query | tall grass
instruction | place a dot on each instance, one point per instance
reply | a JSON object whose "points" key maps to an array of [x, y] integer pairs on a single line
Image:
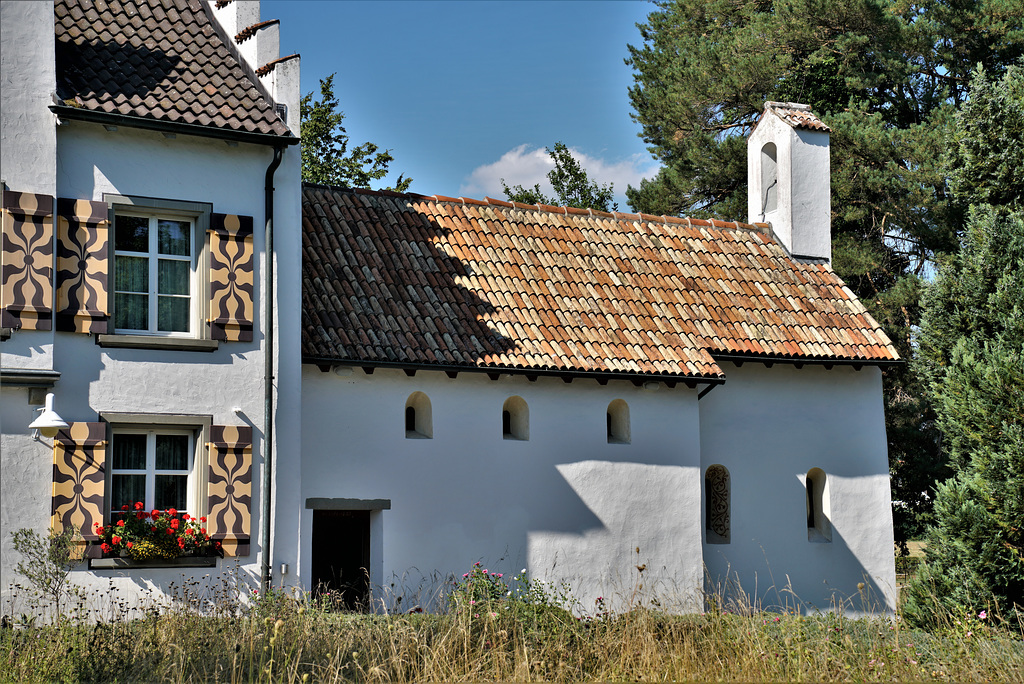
{"points": [[485, 634]]}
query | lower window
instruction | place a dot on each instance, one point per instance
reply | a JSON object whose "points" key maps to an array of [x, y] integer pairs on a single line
{"points": [[155, 467]]}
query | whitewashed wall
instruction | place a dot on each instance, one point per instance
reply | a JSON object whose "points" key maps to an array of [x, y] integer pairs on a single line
{"points": [[92, 161], [565, 504], [769, 426]]}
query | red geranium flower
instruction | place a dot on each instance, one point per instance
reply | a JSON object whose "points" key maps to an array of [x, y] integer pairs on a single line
{"points": [[129, 545], [115, 540], [99, 531], [154, 514], [170, 531], [175, 523], [181, 543], [203, 519], [120, 523], [105, 547], [173, 512], [138, 505], [124, 508], [203, 530]]}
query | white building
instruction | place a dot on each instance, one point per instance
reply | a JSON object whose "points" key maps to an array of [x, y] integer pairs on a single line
{"points": [[573, 392]]}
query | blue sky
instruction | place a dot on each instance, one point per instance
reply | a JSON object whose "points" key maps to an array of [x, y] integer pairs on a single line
{"points": [[465, 93]]}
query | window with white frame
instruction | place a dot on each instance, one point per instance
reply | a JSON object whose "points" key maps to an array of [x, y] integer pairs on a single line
{"points": [[154, 274], [155, 466], [158, 261]]}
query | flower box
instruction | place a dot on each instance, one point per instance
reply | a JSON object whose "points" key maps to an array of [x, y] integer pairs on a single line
{"points": [[153, 539]]}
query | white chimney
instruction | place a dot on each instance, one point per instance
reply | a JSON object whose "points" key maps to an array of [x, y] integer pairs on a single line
{"points": [[789, 180]]}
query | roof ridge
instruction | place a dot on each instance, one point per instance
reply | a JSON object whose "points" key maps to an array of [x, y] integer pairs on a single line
{"points": [[763, 228]]}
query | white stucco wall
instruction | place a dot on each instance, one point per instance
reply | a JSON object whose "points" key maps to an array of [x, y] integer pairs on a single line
{"points": [[565, 504], [93, 161], [28, 139], [769, 426]]}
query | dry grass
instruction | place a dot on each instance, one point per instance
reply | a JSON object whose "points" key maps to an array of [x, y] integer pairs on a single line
{"points": [[525, 637]]}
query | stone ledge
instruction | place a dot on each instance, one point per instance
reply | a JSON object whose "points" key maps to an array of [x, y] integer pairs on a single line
{"points": [[155, 342], [128, 563]]}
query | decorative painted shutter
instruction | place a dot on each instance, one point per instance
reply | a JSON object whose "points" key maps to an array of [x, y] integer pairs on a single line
{"points": [[231, 277], [79, 475], [27, 290], [229, 516], [82, 266]]}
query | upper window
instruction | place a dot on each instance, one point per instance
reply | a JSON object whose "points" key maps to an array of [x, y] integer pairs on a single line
{"points": [[769, 179], [154, 275], [155, 467], [515, 419], [418, 419], [617, 422], [159, 264]]}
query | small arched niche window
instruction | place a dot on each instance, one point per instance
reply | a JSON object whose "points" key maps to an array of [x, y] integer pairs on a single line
{"points": [[819, 528], [769, 179], [515, 419], [418, 421], [716, 504], [617, 422]]}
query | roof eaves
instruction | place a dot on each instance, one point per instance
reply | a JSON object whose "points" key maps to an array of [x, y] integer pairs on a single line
{"points": [[113, 119]]}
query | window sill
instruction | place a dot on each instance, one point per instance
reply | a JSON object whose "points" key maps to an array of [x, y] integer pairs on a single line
{"points": [[154, 342], [125, 563]]}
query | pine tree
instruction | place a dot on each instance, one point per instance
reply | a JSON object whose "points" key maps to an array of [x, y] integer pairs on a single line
{"points": [[972, 353], [887, 76]]}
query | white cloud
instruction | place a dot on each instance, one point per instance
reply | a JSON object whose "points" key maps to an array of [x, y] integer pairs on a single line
{"points": [[525, 166]]}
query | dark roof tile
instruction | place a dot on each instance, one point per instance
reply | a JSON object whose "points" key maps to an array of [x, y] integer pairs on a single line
{"points": [[145, 58]]}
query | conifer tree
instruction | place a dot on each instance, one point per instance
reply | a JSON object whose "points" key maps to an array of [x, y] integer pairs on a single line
{"points": [[972, 353]]}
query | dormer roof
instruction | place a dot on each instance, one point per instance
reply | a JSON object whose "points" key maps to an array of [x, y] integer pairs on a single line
{"points": [[415, 281], [156, 61]]}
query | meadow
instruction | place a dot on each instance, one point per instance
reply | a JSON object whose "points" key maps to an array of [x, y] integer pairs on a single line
{"points": [[493, 629]]}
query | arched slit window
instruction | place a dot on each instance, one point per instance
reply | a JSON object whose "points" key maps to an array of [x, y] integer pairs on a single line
{"points": [[819, 527], [716, 504], [418, 420], [617, 422], [515, 419], [769, 179]]}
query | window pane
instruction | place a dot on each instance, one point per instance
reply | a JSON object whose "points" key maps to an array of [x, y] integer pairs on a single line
{"points": [[131, 312], [129, 453], [127, 489], [172, 277], [172, 452], [174, 237], [131, 233], [172, 314], [131, 274], [171, 492]]}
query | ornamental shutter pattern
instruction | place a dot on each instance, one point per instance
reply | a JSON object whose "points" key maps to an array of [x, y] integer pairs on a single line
{"points": [[230, 490], [79, 474], [82, 266], [27, 290], [231, 277]]}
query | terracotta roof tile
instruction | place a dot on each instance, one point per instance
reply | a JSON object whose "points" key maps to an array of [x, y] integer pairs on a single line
{"points": [[156, 59], [796, 115], [425, 280]]}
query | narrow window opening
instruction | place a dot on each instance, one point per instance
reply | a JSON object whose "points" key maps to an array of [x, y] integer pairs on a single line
{"points": [[418, 419], [769, 179], [515, 419], [617, 422], [819, 526], [717, 492]]}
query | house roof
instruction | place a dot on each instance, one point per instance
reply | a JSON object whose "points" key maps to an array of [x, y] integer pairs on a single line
{"points": [[796, 115], [157, 60], [422, 281]]}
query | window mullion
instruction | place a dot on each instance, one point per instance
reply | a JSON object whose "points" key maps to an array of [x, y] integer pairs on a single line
{"points": [[153, 269]]}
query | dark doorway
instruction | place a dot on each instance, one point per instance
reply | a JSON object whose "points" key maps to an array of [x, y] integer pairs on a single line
{"points": [[341, 557]]}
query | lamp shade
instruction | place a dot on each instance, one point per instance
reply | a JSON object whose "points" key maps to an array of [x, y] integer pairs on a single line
{"points": [[48, 423]]}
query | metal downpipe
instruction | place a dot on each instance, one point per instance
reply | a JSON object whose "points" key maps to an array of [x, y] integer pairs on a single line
{"points": [[268, 372]]}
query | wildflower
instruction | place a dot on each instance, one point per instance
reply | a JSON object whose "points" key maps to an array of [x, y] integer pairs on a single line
{"points": [[465, 575], [969, 633], [500, 575], [472, 603], [983, 614]]}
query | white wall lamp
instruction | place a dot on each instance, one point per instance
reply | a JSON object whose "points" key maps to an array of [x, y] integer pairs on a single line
{"points": [[48, 423]]}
